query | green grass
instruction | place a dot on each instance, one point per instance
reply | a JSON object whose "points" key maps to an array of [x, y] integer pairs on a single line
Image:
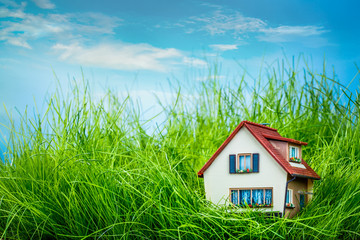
{"points": [[93, 169]]}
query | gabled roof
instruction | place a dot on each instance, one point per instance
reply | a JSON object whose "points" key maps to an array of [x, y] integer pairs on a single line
{"points": [[262, 134]]}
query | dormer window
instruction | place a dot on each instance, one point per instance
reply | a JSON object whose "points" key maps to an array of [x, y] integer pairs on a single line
{"points": [[294, 154]]}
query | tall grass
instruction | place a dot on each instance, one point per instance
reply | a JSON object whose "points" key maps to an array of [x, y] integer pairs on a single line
{"points": [[93, 169]]}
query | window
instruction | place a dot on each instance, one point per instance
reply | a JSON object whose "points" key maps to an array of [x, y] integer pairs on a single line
{"points": [[259, 197], [294, 155], [244, 163], [289, 198], [293, 152]]}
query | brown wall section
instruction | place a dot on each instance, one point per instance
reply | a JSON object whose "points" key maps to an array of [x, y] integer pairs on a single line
{"points": [[282, 147], [299, 184]]}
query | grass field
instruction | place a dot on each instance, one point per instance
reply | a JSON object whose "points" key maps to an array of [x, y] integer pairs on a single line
{"points": [[93, 169]]}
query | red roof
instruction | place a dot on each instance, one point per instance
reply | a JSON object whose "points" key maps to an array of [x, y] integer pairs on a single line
{"points": [[262, 134], [284, 139]]}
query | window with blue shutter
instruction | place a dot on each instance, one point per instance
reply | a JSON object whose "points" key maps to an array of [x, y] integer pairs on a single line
{"points": [[232, 163], [256, 161]]}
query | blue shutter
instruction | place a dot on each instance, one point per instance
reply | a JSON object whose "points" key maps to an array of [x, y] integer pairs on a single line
{"points": [[256, 160], [232, 163]]}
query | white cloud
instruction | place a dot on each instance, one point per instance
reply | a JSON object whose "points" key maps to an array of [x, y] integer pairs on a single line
{"points": [[288, 33], [221, 22], [12, 3], [119, 56], [17, 42], [6, 13], [195, 62], [45, 4], [71, 36], [63, 27], [296, 30], [224, 47]]}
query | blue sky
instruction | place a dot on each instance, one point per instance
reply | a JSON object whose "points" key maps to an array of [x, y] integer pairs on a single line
{"points": [[137, 46]]}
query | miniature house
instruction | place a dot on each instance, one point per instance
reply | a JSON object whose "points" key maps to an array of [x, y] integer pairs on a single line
{"points": [[258, 168]]}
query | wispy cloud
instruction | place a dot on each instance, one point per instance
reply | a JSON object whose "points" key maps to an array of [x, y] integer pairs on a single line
{"points": [[119, 56], [210, 77], [290, 33], [224, 47], [229, 22], [71, 38], [220, 23], [25, 27], [45, 4], [12, 3], [195, 62]]}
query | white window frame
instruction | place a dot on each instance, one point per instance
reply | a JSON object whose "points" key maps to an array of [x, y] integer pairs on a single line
{"points": [[237, 166], [289, 193], [297, 152]]}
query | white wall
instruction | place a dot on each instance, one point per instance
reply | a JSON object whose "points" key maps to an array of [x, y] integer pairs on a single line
{"points": [[218, 180]]}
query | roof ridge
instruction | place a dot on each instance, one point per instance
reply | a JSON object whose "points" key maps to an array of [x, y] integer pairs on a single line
{"points": [[281, 138], [259, 125]]}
